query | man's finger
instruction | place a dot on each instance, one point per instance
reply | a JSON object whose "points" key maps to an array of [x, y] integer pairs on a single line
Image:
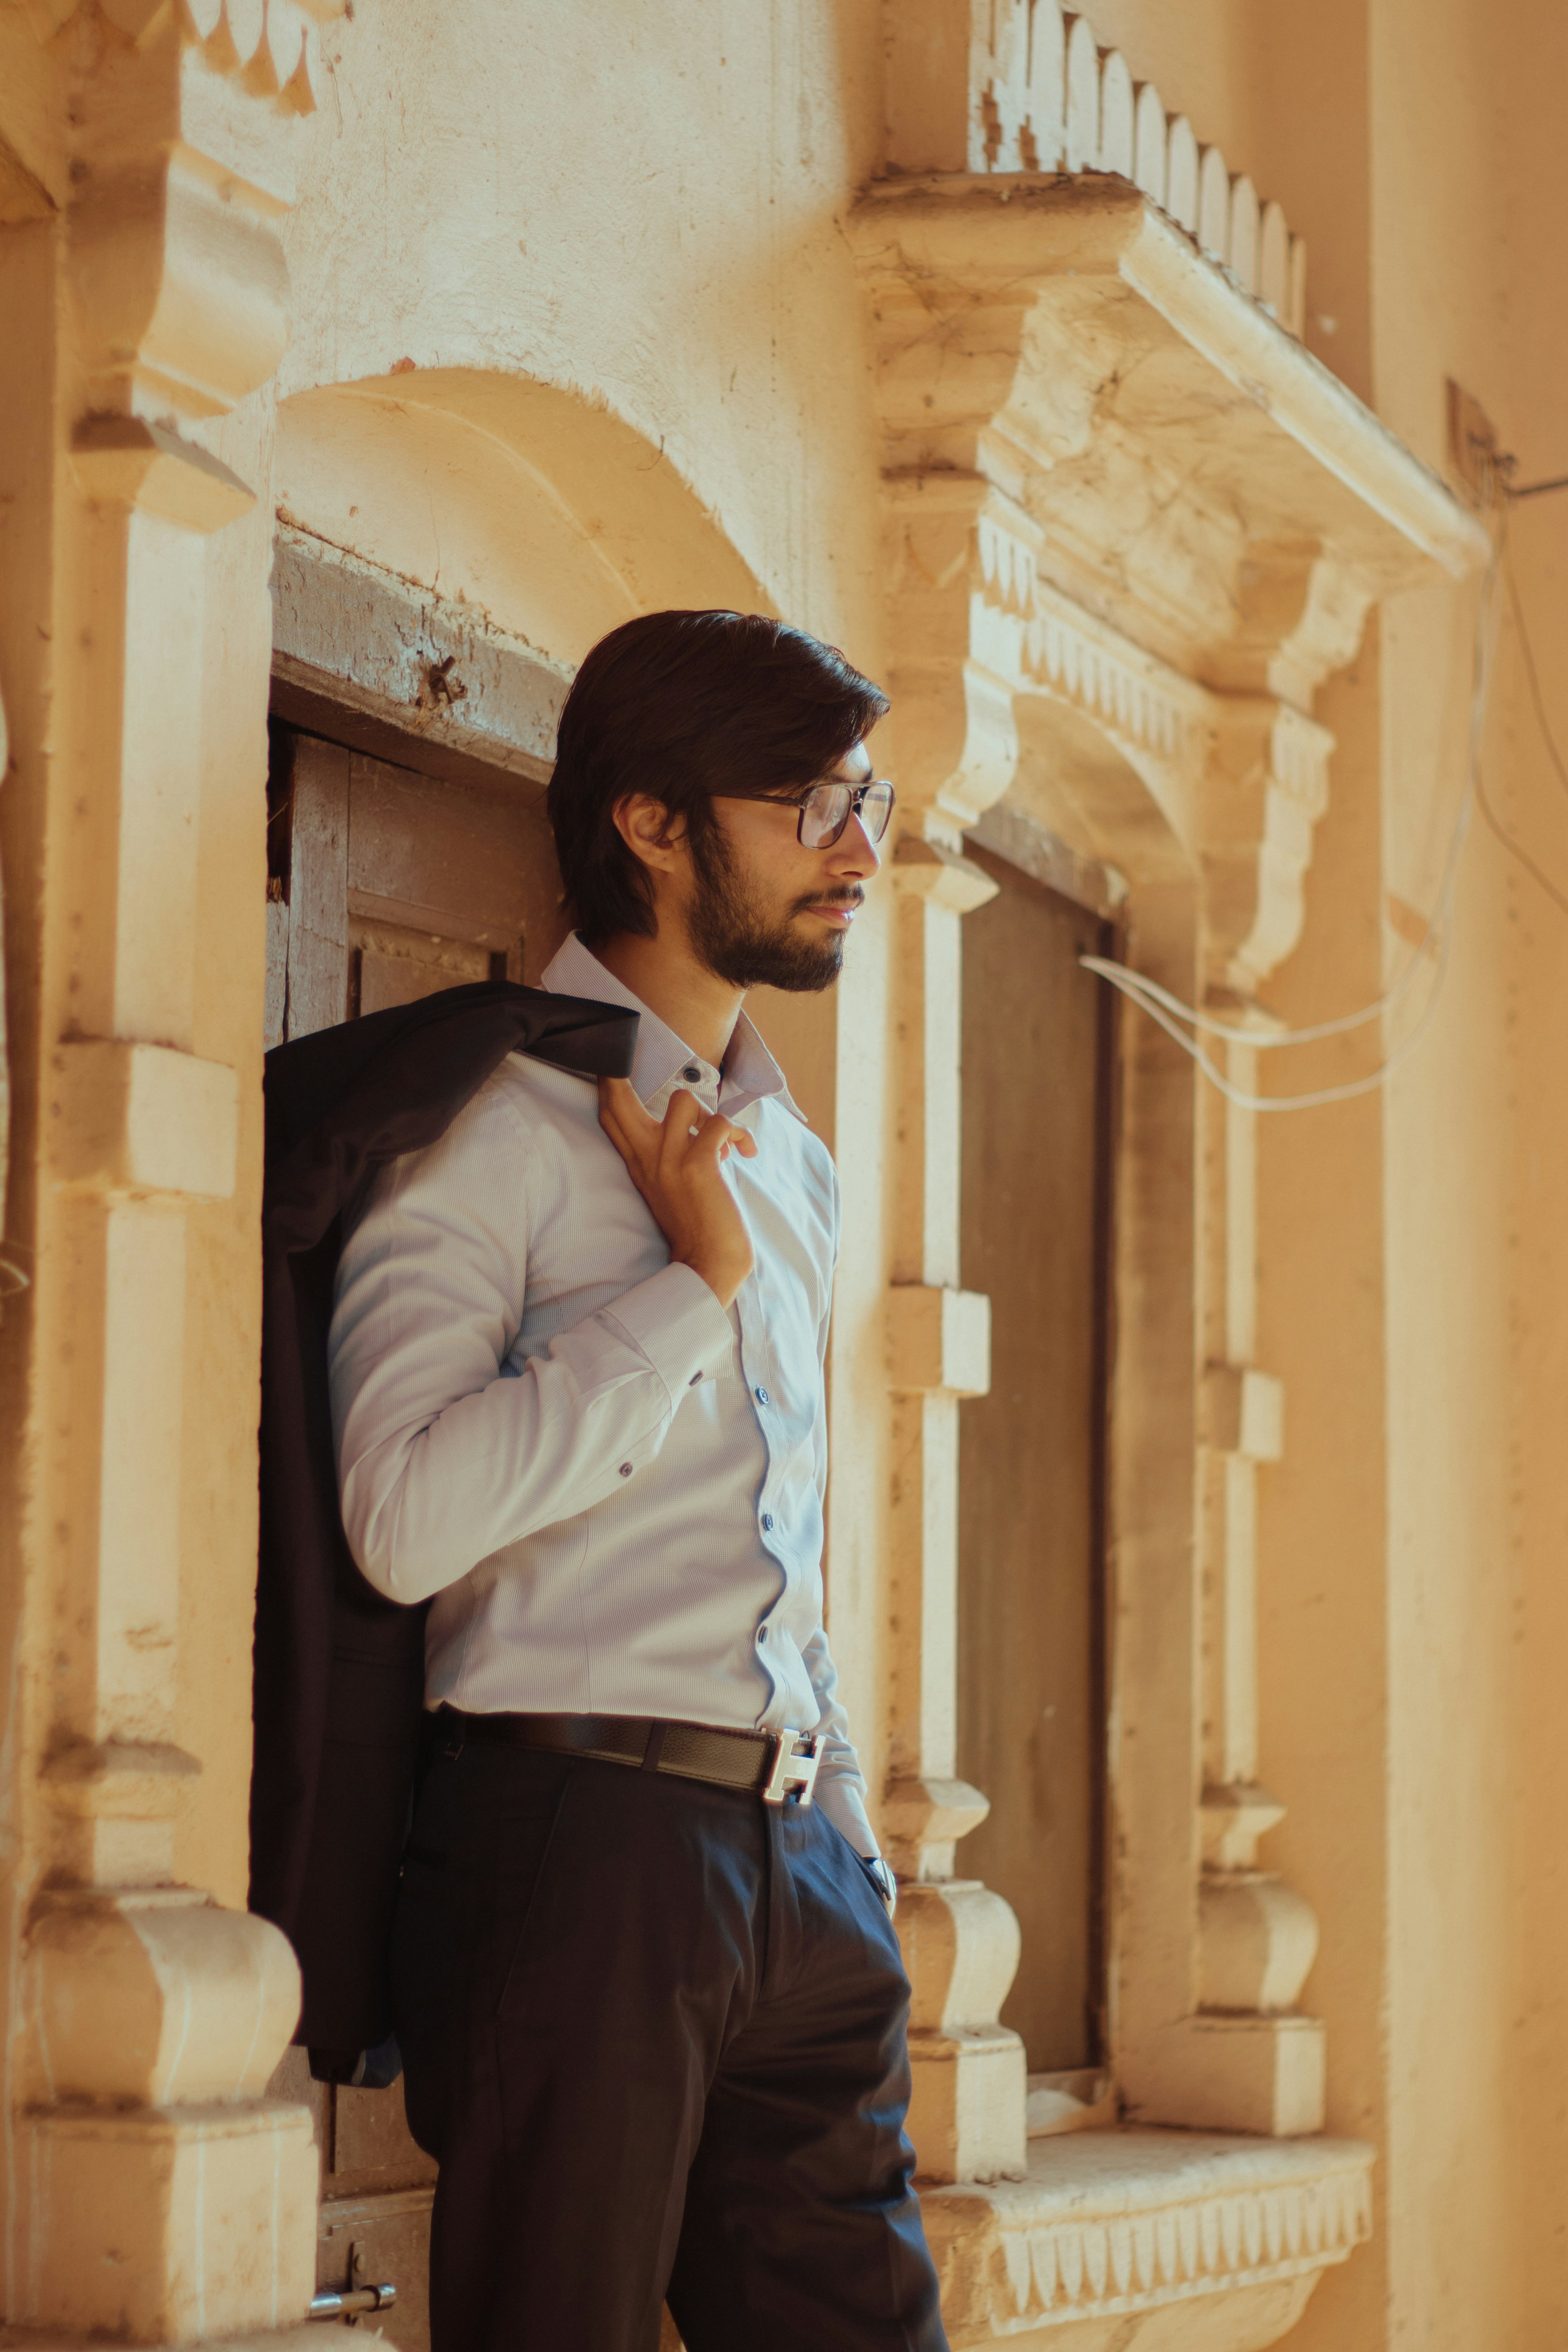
{"points": [[621, 1115], [620, 1096], [616, 1112], [738, 1139], [717, 1135], [684, 1118]]}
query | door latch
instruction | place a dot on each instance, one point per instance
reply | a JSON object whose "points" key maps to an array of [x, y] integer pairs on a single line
{"points": [[348, 2302]]}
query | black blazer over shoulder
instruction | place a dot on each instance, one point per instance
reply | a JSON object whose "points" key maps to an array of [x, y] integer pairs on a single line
{"points": [[339, 1671]]}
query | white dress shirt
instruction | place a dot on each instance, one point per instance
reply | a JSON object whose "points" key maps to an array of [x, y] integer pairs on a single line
{"points": [[612, 1487]]}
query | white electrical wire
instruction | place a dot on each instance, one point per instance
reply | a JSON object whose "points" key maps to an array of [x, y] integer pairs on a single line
{"points": [[1166, 1010]]}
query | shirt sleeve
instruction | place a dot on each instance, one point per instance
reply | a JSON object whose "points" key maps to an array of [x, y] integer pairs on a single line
{"points": [[840, 1788], [446, 1452]]}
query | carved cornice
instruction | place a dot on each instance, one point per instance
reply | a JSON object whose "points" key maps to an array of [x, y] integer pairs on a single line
{"points": [[1122, 2221], [1131, 526], [160, 131], [1195, 477], [1023, 86], [1149, 708]]}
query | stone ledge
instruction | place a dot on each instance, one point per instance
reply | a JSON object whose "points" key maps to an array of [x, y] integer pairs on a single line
{"points": [[129, 1118], [1106, 2223], [938, 1340], [304, 2338]]}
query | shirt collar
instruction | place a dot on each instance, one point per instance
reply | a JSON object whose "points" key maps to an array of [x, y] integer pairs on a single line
{"points": [[749, 1073]]}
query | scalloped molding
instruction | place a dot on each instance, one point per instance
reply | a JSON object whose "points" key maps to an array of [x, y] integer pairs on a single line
{"points": [[1022, 86], [1125, 2222], [271, 46]]}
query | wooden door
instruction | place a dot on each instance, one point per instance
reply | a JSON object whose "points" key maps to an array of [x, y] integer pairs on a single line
{"points": [[384, 885], [1035, 1189]]}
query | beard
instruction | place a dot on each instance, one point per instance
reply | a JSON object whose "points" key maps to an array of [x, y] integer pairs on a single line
{"points": [[749, 944]]}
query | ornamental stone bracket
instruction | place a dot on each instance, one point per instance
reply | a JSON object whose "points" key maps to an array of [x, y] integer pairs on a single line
{"points": [[155, 2194], [1112, 479], [1195, 476]]}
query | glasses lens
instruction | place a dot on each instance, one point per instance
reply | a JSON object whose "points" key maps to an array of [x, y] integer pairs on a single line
{"points": [[824, 814], [876, 808]]}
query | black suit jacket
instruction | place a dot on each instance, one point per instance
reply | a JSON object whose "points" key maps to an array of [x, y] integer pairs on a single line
{"points": [[339, 1671]]}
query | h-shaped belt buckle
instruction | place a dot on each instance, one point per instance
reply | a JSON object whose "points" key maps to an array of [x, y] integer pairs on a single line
{"points": [[796, 1755]]}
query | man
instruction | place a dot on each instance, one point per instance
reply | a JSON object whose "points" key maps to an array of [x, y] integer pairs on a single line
{"points": [[648, 1996]]}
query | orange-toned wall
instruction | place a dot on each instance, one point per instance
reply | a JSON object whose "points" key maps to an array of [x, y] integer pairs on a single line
{"points": [[1521, 378], [1415, 1288]]}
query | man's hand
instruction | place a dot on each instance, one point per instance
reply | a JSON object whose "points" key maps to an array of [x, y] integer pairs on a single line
{"points": [[675, 1166]]}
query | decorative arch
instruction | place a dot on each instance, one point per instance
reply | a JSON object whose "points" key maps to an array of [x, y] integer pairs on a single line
{"points": [[546, 511]]}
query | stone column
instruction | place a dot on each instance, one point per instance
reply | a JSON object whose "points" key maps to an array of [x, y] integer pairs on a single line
{"points": [[155, 2194], [961, 1940], [1257, 1937], [1228, 2048]]}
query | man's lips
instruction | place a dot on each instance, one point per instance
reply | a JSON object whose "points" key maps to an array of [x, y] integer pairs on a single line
{"points": [[840, 912]]}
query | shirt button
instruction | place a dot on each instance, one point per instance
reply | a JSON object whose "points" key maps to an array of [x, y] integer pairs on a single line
{"points": [[761, 1396], [761, 1633], [691, 1383], [691, 1074], [626, 1469], [767, 1523]]}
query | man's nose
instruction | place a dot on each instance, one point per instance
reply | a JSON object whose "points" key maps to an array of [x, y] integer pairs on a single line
{"points": [[854, 853]]}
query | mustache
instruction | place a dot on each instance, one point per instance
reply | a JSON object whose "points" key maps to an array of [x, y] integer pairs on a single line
{"points": [[851, 898]]}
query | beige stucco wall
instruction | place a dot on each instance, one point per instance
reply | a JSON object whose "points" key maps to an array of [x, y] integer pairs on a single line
{"points": [[1412, 1280], [1476, 1787]]}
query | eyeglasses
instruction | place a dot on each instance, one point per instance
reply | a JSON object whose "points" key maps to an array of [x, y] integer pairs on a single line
{"points": [[826, 809]]}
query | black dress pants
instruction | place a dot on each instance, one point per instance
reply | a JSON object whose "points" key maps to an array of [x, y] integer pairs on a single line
{"points": [[653, 2035]]}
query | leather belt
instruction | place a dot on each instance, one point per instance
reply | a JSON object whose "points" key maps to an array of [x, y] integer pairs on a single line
{"points": [[780, 1767]]}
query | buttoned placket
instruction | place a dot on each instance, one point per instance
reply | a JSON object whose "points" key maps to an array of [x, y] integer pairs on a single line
{"points": [[755, 1364], [757, 1369], [706, 1084]]}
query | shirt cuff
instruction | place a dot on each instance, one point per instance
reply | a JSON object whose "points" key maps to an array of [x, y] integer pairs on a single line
{"points": [[841, 1800], [678, 1325]]}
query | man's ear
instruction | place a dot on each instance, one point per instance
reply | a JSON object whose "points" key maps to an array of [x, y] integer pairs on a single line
{"points": [[655, 836]]}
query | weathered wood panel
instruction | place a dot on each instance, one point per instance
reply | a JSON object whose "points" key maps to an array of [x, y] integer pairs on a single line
{"points": [[1029, 1705], [318, 886]]}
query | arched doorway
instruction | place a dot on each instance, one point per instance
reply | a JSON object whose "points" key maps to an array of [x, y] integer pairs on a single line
{"points": [[449, 545]]}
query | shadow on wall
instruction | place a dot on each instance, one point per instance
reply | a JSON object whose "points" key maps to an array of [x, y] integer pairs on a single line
{"points": [[548, 512]]}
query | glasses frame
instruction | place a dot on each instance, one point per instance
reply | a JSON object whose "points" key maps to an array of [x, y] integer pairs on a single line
{"points": [[798, 802]]}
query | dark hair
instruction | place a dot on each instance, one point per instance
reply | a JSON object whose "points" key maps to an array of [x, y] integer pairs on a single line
{"points": [[682, 705]]}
